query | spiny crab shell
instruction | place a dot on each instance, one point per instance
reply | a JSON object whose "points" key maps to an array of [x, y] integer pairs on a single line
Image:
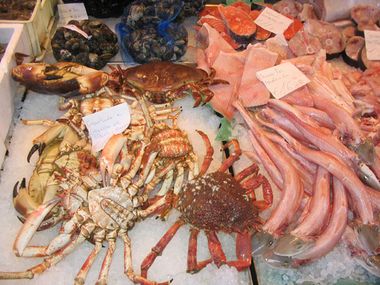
{"points": [[158, 79], [232, 210]]}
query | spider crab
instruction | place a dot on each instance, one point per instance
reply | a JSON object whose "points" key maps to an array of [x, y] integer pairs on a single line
{"points": [[62, 78], [163, 81], [218, 202]]}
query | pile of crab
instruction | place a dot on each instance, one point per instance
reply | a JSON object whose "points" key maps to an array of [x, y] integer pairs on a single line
{"points": [[148, 169]]}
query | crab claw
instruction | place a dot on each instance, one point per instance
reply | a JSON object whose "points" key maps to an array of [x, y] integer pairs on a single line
{"points": [[262, 242], [22, 202], [290, 245], [31, 225], [109, 154], [38, 146]]}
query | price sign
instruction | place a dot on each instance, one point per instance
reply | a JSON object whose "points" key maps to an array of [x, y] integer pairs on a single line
{"points": [[282, 79], [73, 11], [372, 44], [273, 21], [103, 124]]}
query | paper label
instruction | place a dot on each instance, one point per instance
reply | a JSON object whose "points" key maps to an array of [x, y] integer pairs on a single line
{"points": [[273, 21], [372, 44], [282, 79], [103, 124], [73, 11], [76, 29]]}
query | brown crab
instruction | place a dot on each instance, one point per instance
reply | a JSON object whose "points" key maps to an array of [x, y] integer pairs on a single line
{"points": [[218, 202], [163, 81]]}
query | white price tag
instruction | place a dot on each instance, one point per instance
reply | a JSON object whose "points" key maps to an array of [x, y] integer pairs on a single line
{"points": [[273, 21], [103, 124], [73, 11], [372, 44], [282, 79]]}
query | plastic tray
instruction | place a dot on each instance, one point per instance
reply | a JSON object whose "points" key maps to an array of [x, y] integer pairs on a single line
{"points": [[39, 24], [17, 40]]}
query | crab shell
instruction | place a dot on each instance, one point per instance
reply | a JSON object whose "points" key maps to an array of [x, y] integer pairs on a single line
{"points": [[161, 79], [63, 78], [217, 202]]}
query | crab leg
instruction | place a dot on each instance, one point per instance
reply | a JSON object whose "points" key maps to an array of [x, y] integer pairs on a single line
{"points": [[209, 152], [31, 225], [127, 178], [253, 169], [234, 156], [215, 248], [192, 264], [166, 184], [103, 275], [52, 259], [179, 179], [157, 178], [82, 274], [128, 268], [243, 252], [159, 247], [252, 183]]}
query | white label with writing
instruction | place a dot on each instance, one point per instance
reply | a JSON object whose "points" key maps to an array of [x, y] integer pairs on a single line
{"points": [[282, 79], [72, 11], [273, 21], [372, 44], [103, 124]]}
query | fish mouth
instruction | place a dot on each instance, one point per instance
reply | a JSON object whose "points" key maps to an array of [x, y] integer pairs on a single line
{"points": [[262, 242], [290, 245]]}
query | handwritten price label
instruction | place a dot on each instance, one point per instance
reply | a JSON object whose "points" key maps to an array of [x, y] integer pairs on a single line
{"points": [[103, 124], [73, 11], [282, 79], [372, 44], [273, 21]]}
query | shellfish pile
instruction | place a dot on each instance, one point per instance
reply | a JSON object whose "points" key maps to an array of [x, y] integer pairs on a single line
{"points": [[153, 31], [87, 42], [16, 9]]}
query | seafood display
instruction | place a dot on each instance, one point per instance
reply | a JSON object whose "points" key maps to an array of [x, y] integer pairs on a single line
{"points": [[16, 9], [87, 42], [294, 190]]}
